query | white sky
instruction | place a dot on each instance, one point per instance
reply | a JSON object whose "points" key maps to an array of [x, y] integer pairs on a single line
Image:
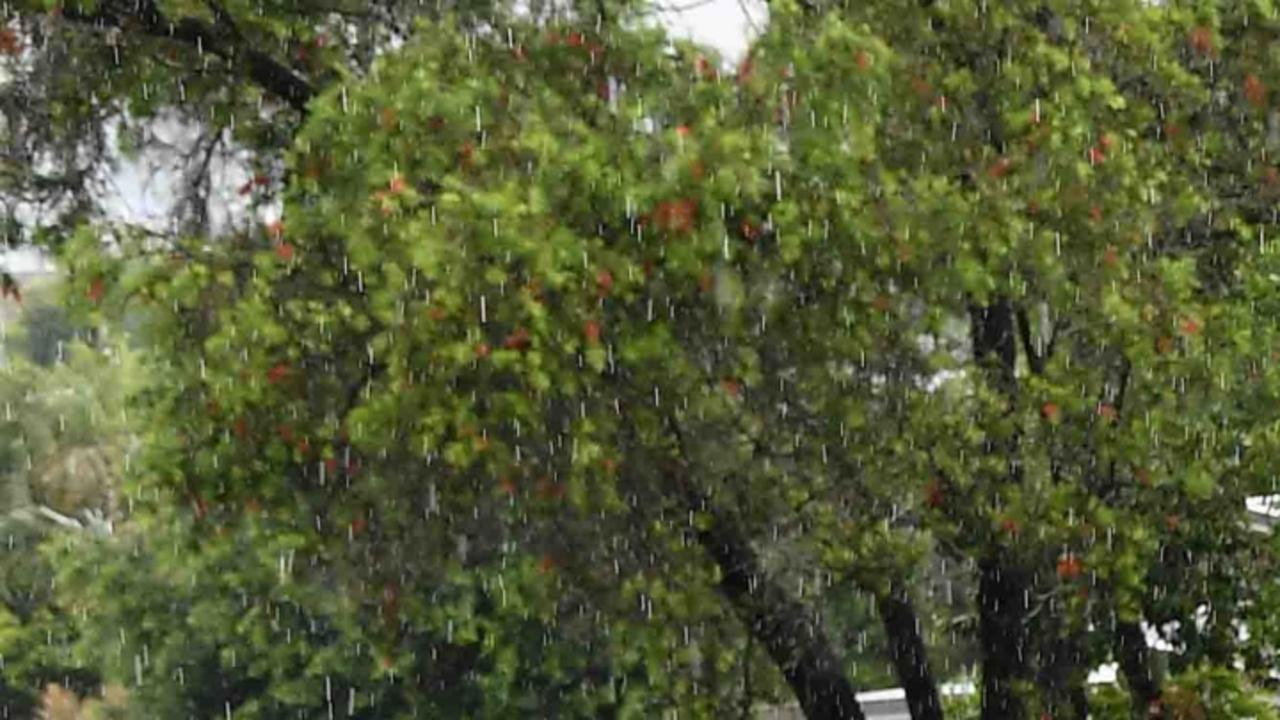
{"points": [[142, 195]]}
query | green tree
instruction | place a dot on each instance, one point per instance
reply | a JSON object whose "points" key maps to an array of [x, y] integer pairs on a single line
{"points": [[63, 441], [966, 281]]}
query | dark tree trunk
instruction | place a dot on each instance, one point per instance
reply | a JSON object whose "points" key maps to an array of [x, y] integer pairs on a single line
{"points": [[790, 632], [910, 660], [1003, 585], [1063, 672], [1002, 638], [1130, 646]]}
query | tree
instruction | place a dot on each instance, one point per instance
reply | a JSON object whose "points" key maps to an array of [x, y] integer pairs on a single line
{"points": [[63, 441], [957, 279]]}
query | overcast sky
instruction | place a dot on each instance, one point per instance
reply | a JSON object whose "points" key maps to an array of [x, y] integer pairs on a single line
{"points": [[140, 193]]}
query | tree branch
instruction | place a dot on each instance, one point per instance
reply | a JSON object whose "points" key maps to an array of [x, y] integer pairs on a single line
{"points": [[790, 631], [259, 67], [1034, 359]]}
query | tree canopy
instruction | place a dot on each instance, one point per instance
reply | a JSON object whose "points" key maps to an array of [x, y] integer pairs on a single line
{"points": [[582, 373]]}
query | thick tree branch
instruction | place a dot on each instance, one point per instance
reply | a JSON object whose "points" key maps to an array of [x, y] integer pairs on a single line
{"points": [[790, 631], [259, 67], [910, 660], [1034, 359]]}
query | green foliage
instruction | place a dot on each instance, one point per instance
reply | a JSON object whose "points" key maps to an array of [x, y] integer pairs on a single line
{"points": [[923, 282]]}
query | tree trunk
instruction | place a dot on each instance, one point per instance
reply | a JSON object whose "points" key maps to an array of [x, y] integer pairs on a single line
{"points": [[1002, 637], [789, 631], [910, 660], [1063, 674], [1130, 647], [1002, 585]]}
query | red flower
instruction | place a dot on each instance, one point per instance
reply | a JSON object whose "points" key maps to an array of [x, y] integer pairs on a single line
{"points": [[683, 131], [705, 282], [546, 564], [863, 60], [9, 44], [591, 330], [1069, 567], [1190, 326], [388, 119], [284, 251], [277, 373], [518, 340], [604, 281], [1107, 412], [96, 290], [1201, 39], [675, 215], [1050, 411], [704, 67], [548, 490], [1000, 168], [933, 495], [1254, 91], [1111, 256]]}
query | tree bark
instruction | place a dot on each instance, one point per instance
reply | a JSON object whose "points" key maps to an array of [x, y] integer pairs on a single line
{"points": [[1002, 637], [910, 659], [1002, 586], [1130, 647], [790, 632], [257, 66]]}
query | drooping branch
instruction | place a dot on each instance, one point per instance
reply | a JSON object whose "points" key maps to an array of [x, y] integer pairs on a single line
{"points": [[221, 40]]}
